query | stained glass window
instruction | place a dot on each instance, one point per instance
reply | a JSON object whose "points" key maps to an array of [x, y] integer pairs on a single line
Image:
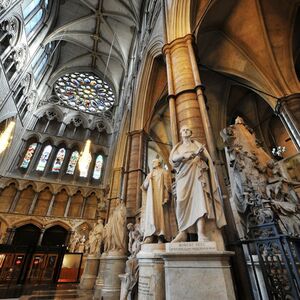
{"points": [[84, 91], [98, 167], [59, 160], [44, 158], [72, 163], [28, 156]]}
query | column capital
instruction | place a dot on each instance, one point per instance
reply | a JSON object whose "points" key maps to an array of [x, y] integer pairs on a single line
{"points": [[189, 38]]}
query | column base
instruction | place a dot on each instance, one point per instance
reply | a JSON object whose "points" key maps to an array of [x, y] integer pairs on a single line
{"points": [[151, 272], [88, 278], [108, 284]]}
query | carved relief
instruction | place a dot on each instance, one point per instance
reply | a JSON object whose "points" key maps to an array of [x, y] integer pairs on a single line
{"points": [[20, 56], [4, 4], [257, 182]]}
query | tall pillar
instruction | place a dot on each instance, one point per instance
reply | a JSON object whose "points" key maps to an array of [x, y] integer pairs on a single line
{"points": [[135, 171], [183, 100], [288, 109]]}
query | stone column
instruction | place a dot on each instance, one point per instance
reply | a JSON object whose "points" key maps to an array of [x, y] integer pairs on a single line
{"points": [[68, 206], [62, 129], [39, 243], [83, 206], [36, 195], [183, 100], [135, 172], [15, 201], [288, 109], [51, 205]]}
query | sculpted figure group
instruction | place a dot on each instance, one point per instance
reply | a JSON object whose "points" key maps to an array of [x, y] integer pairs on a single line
{"points": [[197, 194]]}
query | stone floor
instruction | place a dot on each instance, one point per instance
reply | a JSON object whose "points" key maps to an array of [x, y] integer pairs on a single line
{"points": [[44, 292]]}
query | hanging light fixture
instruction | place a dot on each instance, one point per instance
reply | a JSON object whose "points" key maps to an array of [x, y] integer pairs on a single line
{"points": [[6, 136], [85, 159]]}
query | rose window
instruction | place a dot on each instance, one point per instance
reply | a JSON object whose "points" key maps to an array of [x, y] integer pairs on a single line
{"points": [[85, 92]]}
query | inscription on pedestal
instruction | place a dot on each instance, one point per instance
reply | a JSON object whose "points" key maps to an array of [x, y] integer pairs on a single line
{"points": [[191, 247], [145, 286]]}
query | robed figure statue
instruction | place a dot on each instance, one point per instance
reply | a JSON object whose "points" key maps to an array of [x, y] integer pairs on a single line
{"points": [[197, 193], [158, 221]]}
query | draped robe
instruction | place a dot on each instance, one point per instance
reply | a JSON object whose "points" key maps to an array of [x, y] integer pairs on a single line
{"points": [[157, 206], [197, 193]]}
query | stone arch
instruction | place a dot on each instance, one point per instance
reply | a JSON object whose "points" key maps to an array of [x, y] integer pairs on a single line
{"points": [[50, 107], [61, 223], [28, 220], [142, 107]]}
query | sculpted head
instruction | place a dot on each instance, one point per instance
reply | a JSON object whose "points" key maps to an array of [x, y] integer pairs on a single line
{"points": [[156, 163], [185, 131]]}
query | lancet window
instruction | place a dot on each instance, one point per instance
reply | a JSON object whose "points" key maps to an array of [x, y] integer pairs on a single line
{"points": [[44, 158], [28, 156], [98, 167], [59, 160]]}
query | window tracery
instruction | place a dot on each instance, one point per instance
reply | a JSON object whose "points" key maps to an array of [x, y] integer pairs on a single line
{"points": [[39, 63], [84, 92], [44, 158], [59, 160], [28, 156], [34, 11]]}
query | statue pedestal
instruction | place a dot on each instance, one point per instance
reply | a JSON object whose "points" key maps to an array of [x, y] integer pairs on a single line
{"points": [[196, 270], [90, 272], [108, 284], [151, 272]]}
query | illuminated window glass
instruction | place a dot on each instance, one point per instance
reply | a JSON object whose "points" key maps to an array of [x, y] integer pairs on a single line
{"points": [[28, 156], [72, 163], [44, 158], [35, 20], [85, 92], [98, 167], [29, 6], [59, 160]]}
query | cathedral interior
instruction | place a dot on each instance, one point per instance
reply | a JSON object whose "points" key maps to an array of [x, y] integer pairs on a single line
{"points": [[98, 98]]}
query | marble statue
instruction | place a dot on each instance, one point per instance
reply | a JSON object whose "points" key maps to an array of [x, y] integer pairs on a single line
{"points": [[157, 220], [197, 191], [115, 231], [74, 242], [130, 278], [95, 238], [81, 245]]}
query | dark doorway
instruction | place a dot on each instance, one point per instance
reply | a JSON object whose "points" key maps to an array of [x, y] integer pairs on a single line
{"points": [[55, 236], [26, 235]]}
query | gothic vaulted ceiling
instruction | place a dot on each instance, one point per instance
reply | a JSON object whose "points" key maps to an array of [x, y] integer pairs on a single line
{"points": [[97, 36]]}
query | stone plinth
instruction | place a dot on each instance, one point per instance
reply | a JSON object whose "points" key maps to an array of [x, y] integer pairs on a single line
{"points": [[151, 272], [197, 270], [90, 272], [108, 284]]}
